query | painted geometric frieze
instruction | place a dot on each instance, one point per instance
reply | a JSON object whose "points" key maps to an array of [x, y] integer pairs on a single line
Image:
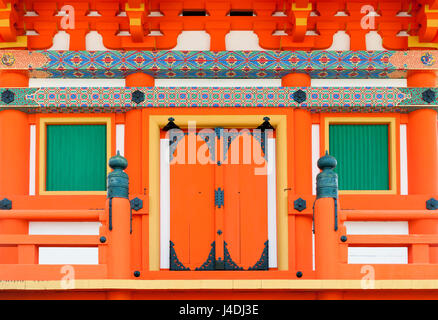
{"points": [[120, 99], [221, 64]]}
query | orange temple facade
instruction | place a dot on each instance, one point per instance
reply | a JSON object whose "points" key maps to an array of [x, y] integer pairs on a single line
{"points": [[226, 197]]}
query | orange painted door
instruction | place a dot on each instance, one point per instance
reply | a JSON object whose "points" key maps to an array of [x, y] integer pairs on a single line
{"points": [[191, 203], [245, 229], [218, 201]]}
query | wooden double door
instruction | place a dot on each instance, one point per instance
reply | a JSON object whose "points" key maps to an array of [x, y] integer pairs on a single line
{"points": [[218, 200]]}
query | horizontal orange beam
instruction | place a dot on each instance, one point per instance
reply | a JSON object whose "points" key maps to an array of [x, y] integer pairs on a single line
{"points": [[58, 202], [52, 215], [389, 271], [50, 240], [391, 239], [50, 272], [385, 215]]}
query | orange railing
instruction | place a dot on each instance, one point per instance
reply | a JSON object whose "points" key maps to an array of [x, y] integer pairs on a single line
{"points": [[26, 247], [422, 259], [115, 238]]}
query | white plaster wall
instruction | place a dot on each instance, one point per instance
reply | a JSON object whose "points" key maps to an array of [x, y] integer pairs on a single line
{"points": [[377, 255], [66, 255]]}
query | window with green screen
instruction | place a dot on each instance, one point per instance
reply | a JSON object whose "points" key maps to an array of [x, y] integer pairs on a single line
{"points": [[362, 153], [76, 158]]}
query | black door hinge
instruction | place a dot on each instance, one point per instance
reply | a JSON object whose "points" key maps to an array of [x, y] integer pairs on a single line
{"points": [[219, 197]]}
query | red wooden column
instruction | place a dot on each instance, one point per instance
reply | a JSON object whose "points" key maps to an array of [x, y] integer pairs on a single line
{"points": [[134, 131], [302, 173], [326, 220], [139, 79], [14, 161], [422, 164], [118, 211], [296, 80]]}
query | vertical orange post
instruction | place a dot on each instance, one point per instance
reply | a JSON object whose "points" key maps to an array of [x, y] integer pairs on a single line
{"points": [[326, 239], [422, 145], [296, 80], [14, 79], [139, 79], [302, 184], [326, 220], [421, 79], [134, 130], [14, 161], [118, 209]]}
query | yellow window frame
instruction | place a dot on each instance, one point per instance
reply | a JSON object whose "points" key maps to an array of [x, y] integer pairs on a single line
{"points": [[391, 122], [44, 122]]}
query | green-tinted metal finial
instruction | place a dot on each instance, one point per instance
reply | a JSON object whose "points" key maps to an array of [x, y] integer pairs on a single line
{"points": [[118, 162], [118, 181], [327, 162], [327, 180]]}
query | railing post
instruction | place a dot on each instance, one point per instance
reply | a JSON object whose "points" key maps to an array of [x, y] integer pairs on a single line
{"points": [[326, 220], [422, 151], [14, 162], [118, 210]]}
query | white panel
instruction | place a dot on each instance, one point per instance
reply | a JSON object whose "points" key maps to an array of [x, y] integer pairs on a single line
{"points": [[218, 82], [41, 82], [313, 251], [341, 41], [315, 155], [64, 228], [193, 40], [94, 41], [377, 227], [61, 41], [242, 40], [120, 138], [358, 83], [374, 254], [164, 204], [374, 41], [32, 157], [377, 255], [67, 255], [315, 170], [403, 161], [272, 205]]}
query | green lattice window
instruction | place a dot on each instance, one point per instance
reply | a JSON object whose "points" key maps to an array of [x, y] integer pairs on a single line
{"points": [[362, 152], [76, 158]]}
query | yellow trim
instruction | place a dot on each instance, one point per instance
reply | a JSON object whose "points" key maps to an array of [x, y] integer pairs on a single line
{"points": [[227, 284], [433, 23], [300, 21], [426, 9], [414, 42], [392, 153], [128, 8], [8, 8], [21, 43], [308, 8], [5, 22], [42, 150], [241, 121], [135, 22]]}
